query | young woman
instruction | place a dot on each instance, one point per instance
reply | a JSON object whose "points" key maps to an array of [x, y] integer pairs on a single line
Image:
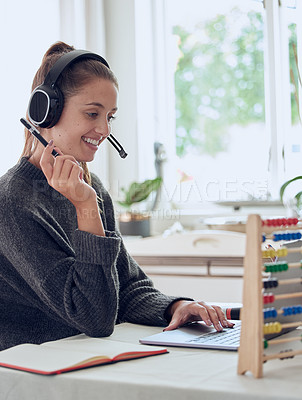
{"points": [[64, 268]]}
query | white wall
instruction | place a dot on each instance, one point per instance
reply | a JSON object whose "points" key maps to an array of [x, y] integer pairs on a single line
{"points": [[120, 50], [21, 55], [210, 290]]}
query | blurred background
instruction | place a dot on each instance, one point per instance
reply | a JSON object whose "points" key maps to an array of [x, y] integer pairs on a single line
{"points": [[209, 100]]}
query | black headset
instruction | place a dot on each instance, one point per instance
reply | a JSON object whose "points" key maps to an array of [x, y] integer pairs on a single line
{"points": [[46, 102]]}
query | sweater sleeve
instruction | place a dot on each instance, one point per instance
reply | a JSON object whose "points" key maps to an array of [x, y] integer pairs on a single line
{"points": [[140, 301], [76, 281]]}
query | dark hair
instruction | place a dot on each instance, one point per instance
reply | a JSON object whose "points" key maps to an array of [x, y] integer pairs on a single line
{"points": [[70, 82]]}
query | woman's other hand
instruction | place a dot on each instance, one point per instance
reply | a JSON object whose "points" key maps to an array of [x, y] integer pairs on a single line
{"points": [[65, 175], [185, 311]]}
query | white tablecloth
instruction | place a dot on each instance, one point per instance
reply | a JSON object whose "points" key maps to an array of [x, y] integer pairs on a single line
{"points": [[182, 374]]}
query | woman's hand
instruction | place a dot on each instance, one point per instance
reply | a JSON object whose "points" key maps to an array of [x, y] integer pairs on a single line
{"points": [[65, 175], [184, 311]]}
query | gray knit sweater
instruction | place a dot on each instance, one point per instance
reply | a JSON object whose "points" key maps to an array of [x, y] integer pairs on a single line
{"points": [[57, 281]]}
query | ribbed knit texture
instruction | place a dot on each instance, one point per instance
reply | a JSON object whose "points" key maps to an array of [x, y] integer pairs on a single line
{"points": [[57, 281]]}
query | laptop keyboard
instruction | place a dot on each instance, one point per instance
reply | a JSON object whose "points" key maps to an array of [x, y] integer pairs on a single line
{"points": [[228, 337]]}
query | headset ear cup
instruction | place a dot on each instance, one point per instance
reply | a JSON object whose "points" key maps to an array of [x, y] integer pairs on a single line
{"points": [[45, 106], [56, 108]]}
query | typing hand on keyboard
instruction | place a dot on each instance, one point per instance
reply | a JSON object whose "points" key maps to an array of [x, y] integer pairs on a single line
{"points": [[184, 311]]}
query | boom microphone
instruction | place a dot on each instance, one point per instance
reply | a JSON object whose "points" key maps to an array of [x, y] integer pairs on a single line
{"points": [[117, 146]]}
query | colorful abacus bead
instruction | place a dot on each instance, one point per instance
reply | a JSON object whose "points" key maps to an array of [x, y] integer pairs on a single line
{"points": [[275, 267], [269, 253], [272, 327], [265, 344], [270, 283], [277, 237], [282, 252], [297, 310], [286, 236], [286, 351], [293, 221], [269, 313], [291, 310], [280, 222], [268, 298]]}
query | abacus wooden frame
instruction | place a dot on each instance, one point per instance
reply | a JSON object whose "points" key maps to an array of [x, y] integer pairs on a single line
{"points": [[251, 357]]}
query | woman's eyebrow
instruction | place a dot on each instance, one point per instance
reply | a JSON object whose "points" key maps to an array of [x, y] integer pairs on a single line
{"points": [[95, 103]]}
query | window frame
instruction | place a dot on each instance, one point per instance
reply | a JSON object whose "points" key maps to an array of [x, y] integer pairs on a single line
{"points": [[159, 87]]}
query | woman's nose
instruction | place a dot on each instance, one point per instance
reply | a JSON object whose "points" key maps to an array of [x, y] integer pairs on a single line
{"points": [[103, 128]]}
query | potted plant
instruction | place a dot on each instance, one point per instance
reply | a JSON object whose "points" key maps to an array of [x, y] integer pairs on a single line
{"points": [[297, 198], [136, 222]]}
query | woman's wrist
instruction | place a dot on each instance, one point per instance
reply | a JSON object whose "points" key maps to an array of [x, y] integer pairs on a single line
{"points": [[89, 219], [172, 307]]}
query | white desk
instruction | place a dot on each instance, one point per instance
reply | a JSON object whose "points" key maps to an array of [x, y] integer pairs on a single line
{"points": [[182, 264], [199, 249], [183, 374]]}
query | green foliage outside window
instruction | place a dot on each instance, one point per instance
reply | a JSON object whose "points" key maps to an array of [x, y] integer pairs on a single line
{"points": [[294, 74], [219, 81]]}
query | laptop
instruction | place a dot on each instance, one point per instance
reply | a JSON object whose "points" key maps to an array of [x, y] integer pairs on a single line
{"points": [[201, 336], [198, 335]]}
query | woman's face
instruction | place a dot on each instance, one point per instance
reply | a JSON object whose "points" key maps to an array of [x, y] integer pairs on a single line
{"points": [[85, 120]]}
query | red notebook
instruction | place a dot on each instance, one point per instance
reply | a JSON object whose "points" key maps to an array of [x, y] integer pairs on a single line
{"points": [[68, 355]]}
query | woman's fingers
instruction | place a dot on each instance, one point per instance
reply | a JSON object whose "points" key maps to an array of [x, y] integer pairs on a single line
{"points": [[64, 174], [58, 150], [222, 318], [214, 318], [78, 191], [189, 311], [67, 179], [62, 169], [211, 315], [47, 160], [55, 168]]}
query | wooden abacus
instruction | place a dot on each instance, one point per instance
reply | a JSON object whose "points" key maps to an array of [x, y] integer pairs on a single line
{"points": [[256, 334]]}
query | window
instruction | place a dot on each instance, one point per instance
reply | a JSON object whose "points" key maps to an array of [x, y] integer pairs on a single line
{"points": [[22, 46], [226, 98], [293, 142], [219, 98]]}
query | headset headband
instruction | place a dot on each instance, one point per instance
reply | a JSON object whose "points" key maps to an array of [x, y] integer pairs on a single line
{"points": [[65, 60]]}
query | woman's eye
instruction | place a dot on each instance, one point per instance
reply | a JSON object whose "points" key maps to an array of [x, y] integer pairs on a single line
{"points": [[92, 114], [111, 118]]}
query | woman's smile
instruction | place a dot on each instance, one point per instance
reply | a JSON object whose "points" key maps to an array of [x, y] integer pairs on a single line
{"points": [[92, 143]]}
